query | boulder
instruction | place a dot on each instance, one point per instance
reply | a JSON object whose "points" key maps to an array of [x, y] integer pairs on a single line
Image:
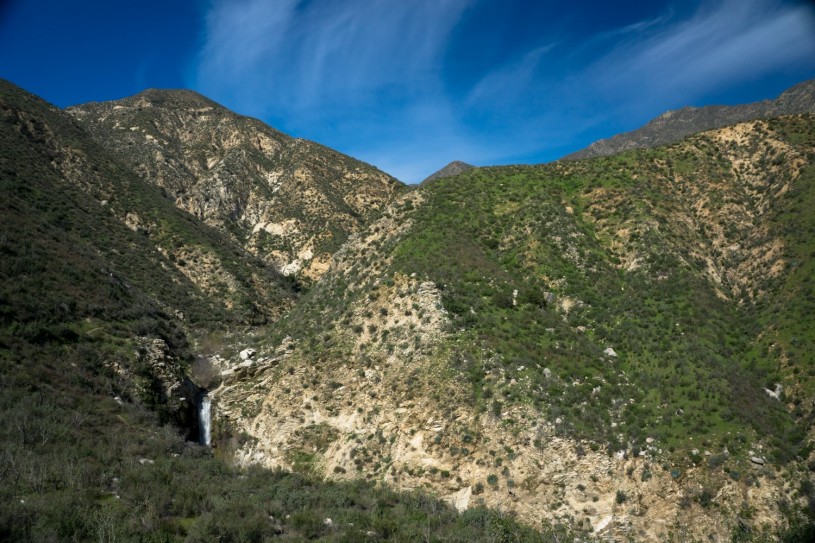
{"points": [[461, 499], [776, 394], [246, 354], [550, 297], [610, 352]]}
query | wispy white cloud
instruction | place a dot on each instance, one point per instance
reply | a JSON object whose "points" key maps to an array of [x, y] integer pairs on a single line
{"points": [[369, 68], [646, 67], [724, 44], [367, 76], [310, 54], [512, 81], [241, 37]]}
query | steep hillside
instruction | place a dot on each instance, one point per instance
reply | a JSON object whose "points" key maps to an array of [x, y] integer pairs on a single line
{"points": [[101, 282], [620, 343], [672, 126], [91, 254], [189, 269], [289, 201]]}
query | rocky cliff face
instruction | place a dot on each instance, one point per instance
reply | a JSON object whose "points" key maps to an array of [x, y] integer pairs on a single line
{"points": [[675, 125], [289, 201]]}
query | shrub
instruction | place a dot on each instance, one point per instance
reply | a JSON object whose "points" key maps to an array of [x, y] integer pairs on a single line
{"points": [[705, 498]]}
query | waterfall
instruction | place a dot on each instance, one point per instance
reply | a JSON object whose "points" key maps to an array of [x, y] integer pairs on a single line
{"points": [[204, 420]]}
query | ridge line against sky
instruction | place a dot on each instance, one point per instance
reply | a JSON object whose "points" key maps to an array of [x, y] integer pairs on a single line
{"points": [[409, 85]]}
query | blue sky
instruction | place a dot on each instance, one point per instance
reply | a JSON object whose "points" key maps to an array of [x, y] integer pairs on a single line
{"points": [[409, 85]]}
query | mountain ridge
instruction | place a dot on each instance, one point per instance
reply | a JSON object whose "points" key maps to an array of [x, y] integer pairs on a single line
{"points": [[673, 125], [289, 201]]}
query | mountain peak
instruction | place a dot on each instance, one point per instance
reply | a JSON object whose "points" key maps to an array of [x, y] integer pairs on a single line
{"points": [[172, 95], [241, 175], [176, 99], [454, 168]]}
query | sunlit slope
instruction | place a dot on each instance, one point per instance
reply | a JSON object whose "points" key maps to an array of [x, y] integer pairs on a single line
{"points": [[558, 339], [690, 262]]}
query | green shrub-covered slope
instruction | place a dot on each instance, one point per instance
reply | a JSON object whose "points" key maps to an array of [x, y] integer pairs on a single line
{"points": [[693, 262]]}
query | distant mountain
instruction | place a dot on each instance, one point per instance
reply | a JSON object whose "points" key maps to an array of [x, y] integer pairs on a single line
{"points": [[292, 202], [454, 168], [674, 125]]}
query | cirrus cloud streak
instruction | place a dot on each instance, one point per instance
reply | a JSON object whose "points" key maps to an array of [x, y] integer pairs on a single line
{"points": [[371, 77]]}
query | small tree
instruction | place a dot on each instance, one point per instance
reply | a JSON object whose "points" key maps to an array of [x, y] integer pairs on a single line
{"points": [[205, 373]]}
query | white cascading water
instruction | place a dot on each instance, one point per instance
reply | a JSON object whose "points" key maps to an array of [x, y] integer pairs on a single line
{"points": [[204, 420]]}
